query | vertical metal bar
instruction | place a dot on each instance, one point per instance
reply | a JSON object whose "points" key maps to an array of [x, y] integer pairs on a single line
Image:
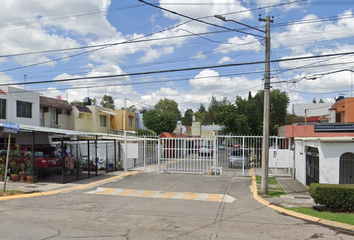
{"points": [[7, 162], [62, 158], [115, 154], [158, 155], [88, 159], [106, 158], [33, 156], [77, 160], [144, 149], [96, 156]]}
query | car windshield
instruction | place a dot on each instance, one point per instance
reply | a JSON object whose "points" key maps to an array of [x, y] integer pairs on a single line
{"points": [[238, 153]]}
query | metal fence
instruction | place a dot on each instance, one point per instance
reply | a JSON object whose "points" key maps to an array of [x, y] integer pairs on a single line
{"points": [[224, 155]]}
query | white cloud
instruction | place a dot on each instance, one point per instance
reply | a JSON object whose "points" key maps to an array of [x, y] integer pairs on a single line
{"points": [[199, 55], [225, 59], [245, 43], [299, 37], [208, 8]]}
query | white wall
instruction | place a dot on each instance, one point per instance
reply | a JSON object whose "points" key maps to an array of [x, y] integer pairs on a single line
{"points": [[281, 158], [19, 94], [329, 155], [314, 109]]}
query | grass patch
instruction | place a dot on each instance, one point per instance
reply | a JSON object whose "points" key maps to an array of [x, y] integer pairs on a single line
{"points": [[10, 193], [275, 190], [337, 217]]}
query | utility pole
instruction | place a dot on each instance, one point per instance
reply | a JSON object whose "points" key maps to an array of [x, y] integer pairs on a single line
{"points": [[265, 143], [125, 136]]}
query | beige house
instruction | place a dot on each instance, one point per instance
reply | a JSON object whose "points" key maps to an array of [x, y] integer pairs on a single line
{"points": [[92, 119], [55, 113], [117, 121]]}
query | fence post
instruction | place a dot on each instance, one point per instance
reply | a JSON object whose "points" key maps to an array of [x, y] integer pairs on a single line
{"points": [[144, 149], [158, 155]]}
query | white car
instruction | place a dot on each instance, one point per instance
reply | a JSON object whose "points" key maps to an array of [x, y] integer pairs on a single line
{"points": [[206, 150]]}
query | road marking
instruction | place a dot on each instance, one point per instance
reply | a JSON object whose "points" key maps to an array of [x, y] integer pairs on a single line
{"points": [[209, 197]]}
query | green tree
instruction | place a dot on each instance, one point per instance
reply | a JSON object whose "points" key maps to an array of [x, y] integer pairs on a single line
{"points": [[168, 105], [75, 102], [107, 101], [213, 109], [94, 102], [187, 119], [201, 108], [314, 100], [144, 132], [199, 117], [321, 101], [131, 108], [158, 121], [246, 116]]}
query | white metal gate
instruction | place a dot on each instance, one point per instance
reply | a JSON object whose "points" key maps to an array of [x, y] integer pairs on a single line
{"points": [[224, 155]]}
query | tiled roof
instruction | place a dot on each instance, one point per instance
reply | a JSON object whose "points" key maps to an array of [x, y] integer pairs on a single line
{"points": [[172, 135], [188, 128], [83, 109], [313, 119], [336, 104], [54, 103]]}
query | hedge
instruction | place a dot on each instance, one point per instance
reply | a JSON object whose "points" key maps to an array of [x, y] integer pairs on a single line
{"points": [[334, 196]]}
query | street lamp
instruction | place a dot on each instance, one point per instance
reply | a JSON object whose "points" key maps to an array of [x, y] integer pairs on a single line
{"points": [[265, 142]]}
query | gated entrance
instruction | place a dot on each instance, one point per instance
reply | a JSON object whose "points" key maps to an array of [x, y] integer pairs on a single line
{"points": [[346, 172], [224, 155]]}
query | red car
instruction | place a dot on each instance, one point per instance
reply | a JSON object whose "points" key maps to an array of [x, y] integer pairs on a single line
{"points": [[236, 145]]}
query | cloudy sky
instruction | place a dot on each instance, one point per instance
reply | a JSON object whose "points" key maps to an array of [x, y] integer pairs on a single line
{"points": [[130, 49]]}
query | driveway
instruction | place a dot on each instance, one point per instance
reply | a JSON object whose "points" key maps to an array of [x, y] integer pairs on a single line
{"points": [[155, 206]]}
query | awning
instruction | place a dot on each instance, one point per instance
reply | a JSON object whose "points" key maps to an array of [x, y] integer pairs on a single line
{"points": [[111, 113]]}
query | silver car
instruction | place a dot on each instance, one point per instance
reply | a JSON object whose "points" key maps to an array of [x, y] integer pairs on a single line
{"points": [[239, 157]]}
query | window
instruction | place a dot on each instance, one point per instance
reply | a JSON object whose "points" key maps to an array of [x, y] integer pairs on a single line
{"points": [[130, 122], [103, 120], [24, 109], [64, 112], [52, 116], [2, 108]]}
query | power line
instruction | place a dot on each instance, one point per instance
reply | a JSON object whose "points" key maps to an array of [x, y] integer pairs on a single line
{"points": [[198, 20], [183, 69]]}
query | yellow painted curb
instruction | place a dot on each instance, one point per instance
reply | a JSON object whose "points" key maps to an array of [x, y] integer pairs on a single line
{"points": [[37, 194], [329, 223]]}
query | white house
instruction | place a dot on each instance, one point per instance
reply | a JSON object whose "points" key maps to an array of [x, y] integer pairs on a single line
{"points": [[19, 106]]}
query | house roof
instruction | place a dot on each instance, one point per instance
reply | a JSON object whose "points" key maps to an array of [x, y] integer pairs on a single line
{"points": [[335, 105], [172, 135], [2, 92], [188, 128], [54, 103], [83, 109], [313, 119]]}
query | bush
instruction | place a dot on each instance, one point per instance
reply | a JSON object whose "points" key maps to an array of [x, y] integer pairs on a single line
{"points": [[333, 196]]}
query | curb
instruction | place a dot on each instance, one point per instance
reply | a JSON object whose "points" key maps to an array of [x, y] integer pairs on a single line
{"points": [[339, 226], [37, 194]]}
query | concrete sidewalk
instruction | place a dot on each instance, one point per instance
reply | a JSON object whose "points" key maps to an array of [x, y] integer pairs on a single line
{"points": [[47, 186], [296, 194]]}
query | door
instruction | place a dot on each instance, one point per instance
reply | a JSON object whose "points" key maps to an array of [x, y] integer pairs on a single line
{"points": [[346, 168], [312, 166]]}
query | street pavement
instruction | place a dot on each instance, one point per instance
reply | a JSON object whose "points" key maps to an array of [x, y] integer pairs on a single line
{"points": [[136, 205]]}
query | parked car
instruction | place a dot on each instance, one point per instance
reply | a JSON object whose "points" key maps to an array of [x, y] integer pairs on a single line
{"points": [[239, 158], [222, 146], [236, 145], [206, 150]]}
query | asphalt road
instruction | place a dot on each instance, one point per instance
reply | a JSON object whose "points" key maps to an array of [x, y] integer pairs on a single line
{"points": [[155, 206]]}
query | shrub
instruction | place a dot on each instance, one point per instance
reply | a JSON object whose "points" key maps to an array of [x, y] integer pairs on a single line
{"points": [[333, 196]]}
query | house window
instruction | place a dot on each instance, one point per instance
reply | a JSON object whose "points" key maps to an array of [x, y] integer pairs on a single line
{"points": [[24, 109], [103, 120], [53, 116], [64, 112], [2, 108], [130, 122]]}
